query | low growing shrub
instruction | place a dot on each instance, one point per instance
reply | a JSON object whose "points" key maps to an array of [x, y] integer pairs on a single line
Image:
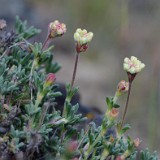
{"points": [[31, 128]]}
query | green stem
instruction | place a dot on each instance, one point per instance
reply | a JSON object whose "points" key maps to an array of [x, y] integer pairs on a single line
{"points": [[94, 153], [37, 102], [64, 109], [39, 98], [30, 79], [88, 152], [126, 106], [82, 139], [44, 111], [105, 153]]}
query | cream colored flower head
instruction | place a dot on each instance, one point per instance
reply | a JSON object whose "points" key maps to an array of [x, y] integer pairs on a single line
{"points": [[133, 65], [57, 29], [82, 37]]}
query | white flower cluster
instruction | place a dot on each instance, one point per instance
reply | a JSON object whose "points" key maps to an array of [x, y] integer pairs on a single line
{"points": [[133, 65], [82, 37], [56, 29]]}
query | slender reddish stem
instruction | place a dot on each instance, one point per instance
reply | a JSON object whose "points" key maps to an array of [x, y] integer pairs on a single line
{"points": [[46, 43], [75, 70], [73, 79], [126, 106]]}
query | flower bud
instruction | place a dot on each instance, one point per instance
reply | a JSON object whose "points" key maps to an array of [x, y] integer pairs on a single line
{"points": [[50, 79], [113, 113], [136, 142], [123, 87], [133, 65], [82, 38], [56, 29]]}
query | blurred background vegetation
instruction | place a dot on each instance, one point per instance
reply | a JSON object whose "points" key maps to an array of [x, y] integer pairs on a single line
{"points": [[121, 28]]}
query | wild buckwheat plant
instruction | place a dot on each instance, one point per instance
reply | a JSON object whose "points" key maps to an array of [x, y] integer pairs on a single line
{"points": [[32, 127]]}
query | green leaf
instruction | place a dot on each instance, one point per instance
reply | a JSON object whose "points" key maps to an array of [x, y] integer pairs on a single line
{"points": [[125, 128], [109, 102], [23, 31], [116, 105]]}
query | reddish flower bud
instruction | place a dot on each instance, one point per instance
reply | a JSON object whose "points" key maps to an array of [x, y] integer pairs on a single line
{"points": [[51, 77], [123, 87], [113, 113]]}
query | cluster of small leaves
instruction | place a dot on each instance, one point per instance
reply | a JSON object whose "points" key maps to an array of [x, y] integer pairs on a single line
{"points": [[31, 128], [24, 131], [146, 155], [23, 31]]}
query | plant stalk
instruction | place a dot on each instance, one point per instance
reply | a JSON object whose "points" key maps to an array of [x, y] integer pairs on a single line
{"points": [[46, 43], [44, 111], [88, 152], [104, 155], [30, 79], [126, 106], [75, 70]]}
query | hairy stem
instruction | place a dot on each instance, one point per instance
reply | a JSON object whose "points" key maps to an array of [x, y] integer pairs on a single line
{"points": [[44, 111], [88, 152], [91, 147], [31, 78], [104, 155]]}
